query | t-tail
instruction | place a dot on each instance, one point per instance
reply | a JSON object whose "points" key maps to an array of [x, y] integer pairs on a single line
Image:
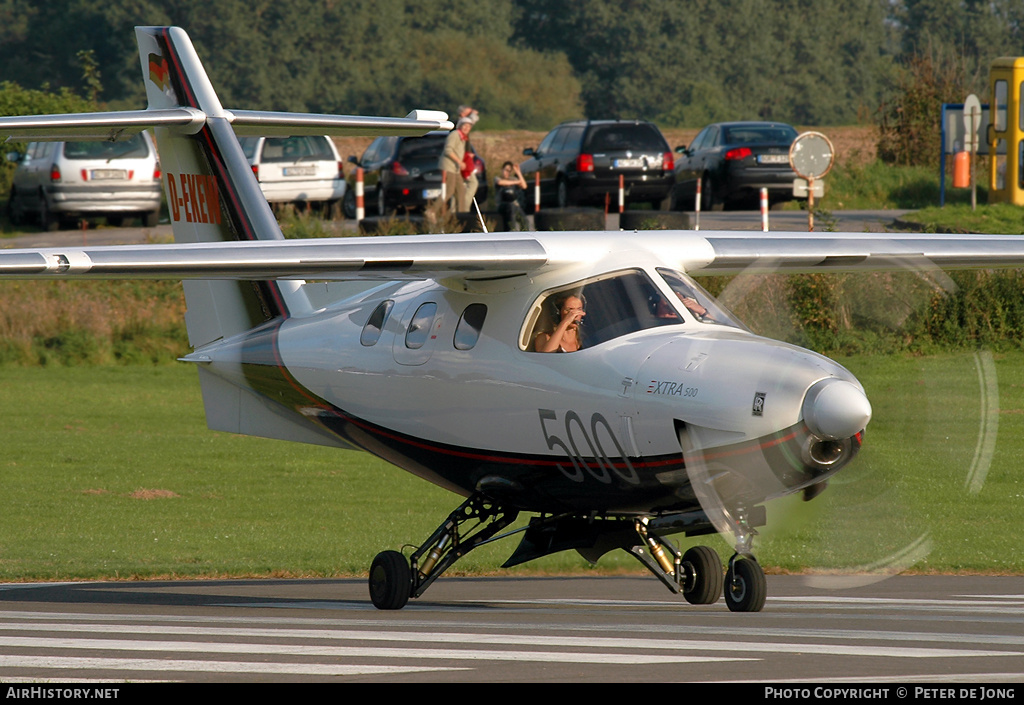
{"points": [[212, 194], [213, 197]]}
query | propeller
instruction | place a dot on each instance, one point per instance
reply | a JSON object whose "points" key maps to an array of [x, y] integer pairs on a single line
{"points": [[934, 421]]}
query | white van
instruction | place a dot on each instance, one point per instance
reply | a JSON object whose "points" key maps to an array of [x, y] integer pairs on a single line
{"points": [[57, 183], [299, 170]]}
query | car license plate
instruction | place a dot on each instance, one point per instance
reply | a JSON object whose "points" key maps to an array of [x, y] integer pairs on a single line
{"points": [[429, 193], [620, 163], [108, 175], [773, 159], [300, 171]]}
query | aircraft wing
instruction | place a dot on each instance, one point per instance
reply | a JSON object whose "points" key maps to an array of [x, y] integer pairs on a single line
{"points": [[735, 252], [410, 257], [499, 255]]}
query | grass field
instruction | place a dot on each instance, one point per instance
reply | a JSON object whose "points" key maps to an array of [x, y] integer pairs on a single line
{"points": [[110, 472]]}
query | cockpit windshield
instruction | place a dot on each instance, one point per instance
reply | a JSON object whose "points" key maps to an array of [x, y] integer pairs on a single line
{"points": [[596, 311], [701, 305]]}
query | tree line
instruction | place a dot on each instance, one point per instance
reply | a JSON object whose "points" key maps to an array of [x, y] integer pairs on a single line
{"points": [[525, 64]]}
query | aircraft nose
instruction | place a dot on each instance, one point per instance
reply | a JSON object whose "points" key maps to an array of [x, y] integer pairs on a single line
{"points": [[834, 409]]}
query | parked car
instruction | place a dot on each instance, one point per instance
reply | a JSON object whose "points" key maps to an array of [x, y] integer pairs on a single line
{"points": [[404, 173], [304, 171], [580, 162], [733, 161], [57, 183]]}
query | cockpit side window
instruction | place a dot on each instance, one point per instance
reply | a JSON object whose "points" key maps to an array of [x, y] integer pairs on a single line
{"points": [[613, 306], [699, 303]]}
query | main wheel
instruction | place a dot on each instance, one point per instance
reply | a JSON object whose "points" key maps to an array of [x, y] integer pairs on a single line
{"points": [[390, 581], [703, 575], [745, 586]]}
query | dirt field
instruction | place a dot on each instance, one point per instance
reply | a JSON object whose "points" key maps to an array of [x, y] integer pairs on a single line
{"points": [[855, 143]]}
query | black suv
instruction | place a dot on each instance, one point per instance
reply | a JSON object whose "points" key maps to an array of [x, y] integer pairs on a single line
{"points": [[580, 162], [404, 173]]}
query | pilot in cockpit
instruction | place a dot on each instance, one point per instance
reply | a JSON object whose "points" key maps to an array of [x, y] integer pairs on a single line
{"points": [[564, 333]]}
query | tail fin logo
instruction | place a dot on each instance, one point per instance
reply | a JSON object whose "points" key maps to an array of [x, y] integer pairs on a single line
{"points": [[159, 73]]}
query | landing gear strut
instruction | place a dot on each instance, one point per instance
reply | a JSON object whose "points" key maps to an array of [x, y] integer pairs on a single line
{"points": [[745, 585], [393, 579], [697, 574]]}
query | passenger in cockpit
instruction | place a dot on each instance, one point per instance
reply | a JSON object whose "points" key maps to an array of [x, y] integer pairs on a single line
{"points": [[564, 335]]}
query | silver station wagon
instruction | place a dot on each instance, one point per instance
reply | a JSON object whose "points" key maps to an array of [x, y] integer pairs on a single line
{"points": [[58, 183]]}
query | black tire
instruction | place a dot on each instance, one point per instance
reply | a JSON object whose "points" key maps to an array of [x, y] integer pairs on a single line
{"points": [[382, 202], [348, 203], [15, 212], [150, 219], [390, 581], [703, 575], [562, 199], [48, 220], [708, 198], [745, 586]]}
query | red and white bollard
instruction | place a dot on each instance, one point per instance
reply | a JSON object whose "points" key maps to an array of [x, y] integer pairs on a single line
{"points": [[360, 202], [536, 192], [696, 207], [764, 210], [622, 194]]}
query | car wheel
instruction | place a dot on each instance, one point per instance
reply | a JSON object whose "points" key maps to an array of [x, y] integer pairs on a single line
{"points": [[382, 202], [708, 198], [48, 221], [348, 204], [563, 194], [15, 210], [150, 219]]}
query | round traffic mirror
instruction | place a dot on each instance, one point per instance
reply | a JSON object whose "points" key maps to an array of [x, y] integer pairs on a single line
{"points": [[811, 155]]}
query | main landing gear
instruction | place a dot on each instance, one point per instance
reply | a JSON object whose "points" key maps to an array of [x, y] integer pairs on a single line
{"points": [[393, 580], [696, 574]]}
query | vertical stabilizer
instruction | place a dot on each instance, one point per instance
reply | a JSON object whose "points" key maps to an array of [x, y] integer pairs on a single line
{"points": [[212, 194]]}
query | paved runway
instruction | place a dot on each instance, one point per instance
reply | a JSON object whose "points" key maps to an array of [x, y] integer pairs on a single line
{"points": [[904, 630]]}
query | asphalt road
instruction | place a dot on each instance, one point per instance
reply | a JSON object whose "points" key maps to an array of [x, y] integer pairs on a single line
{"points": [[899, 632]]}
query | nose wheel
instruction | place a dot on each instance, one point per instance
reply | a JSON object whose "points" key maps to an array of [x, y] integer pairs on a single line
{"points": [[745, 585]]}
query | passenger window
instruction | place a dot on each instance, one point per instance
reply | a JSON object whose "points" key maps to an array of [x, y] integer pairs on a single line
{"points": [[419, 328], [375, 324], [470, 326]]}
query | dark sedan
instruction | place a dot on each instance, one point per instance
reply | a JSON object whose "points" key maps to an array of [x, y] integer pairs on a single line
{"points": [[733, 161], [580, 163], [404, 173]]}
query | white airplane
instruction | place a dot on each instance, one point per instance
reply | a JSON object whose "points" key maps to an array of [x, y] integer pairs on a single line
{"points": [[668, 417]]}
